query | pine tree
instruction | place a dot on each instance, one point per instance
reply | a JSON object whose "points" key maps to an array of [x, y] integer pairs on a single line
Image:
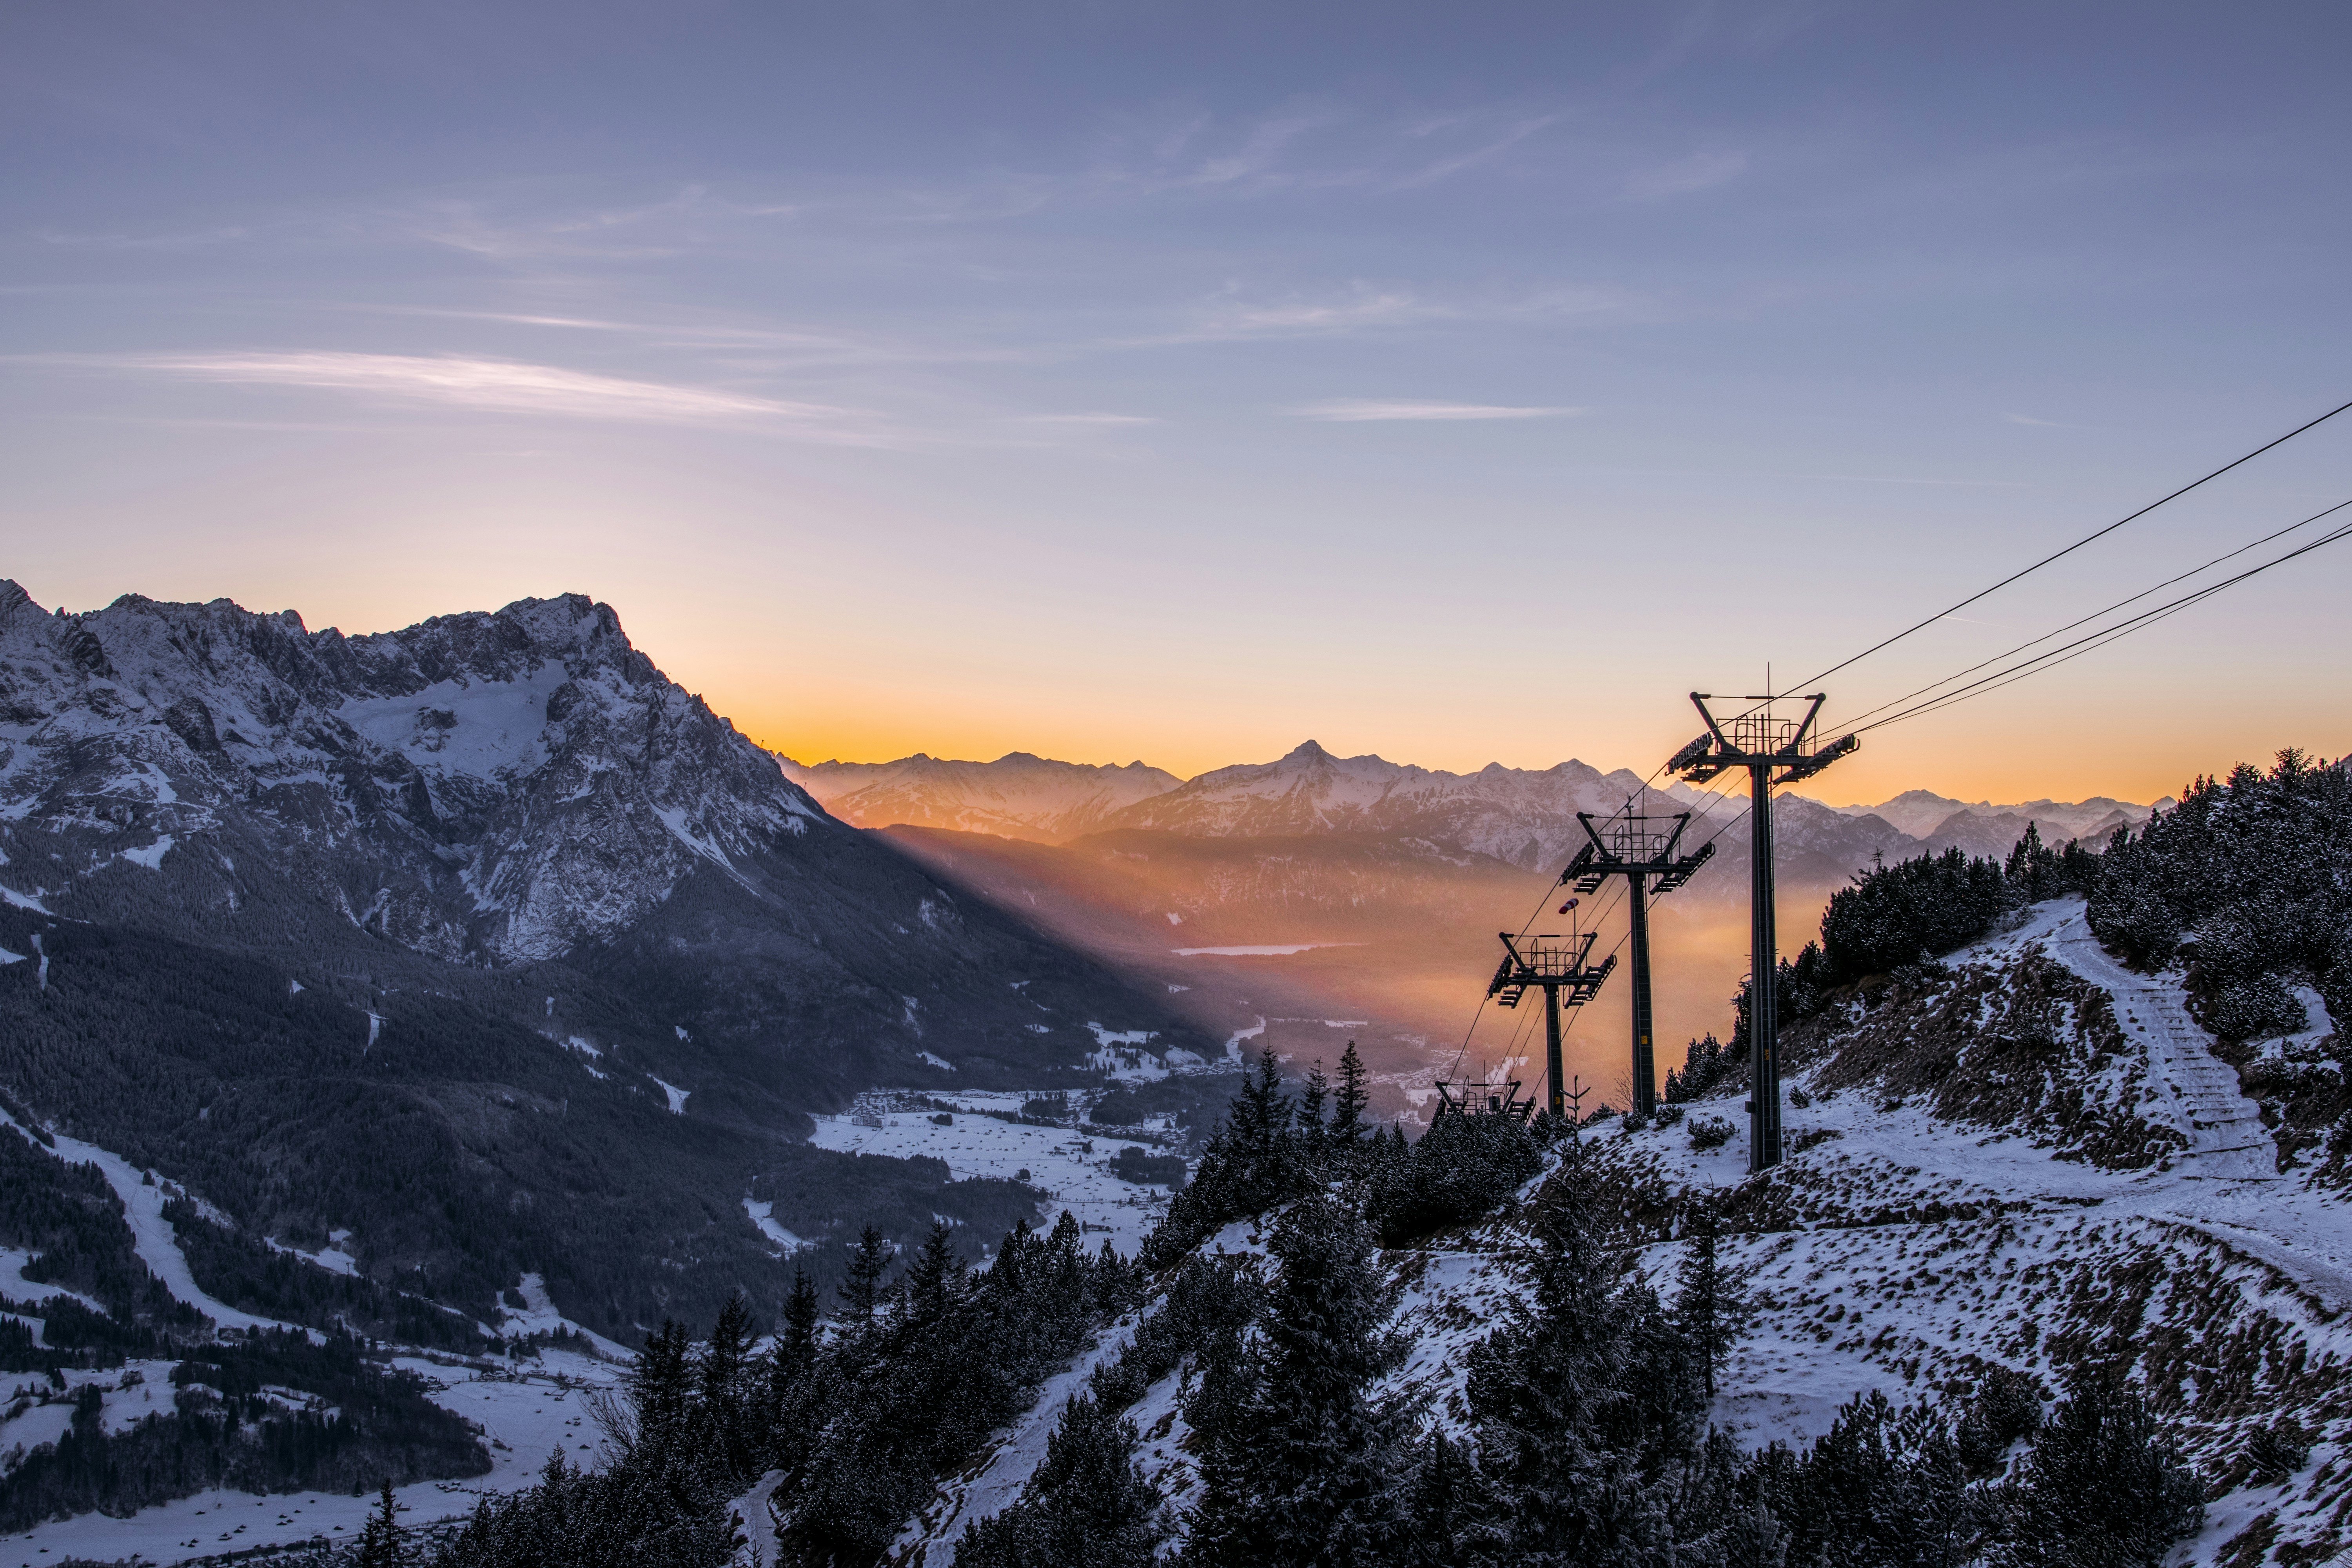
{"points": [[1442, 1511], [383, 1544], [861, 1289], [1311, 1096], [725, 1394], [2102, 1487], [1306, 1469], [1346, 1128], [1580, 1432], [1088, 1506], [802, 1314], [932, 1277], [1706, 1309], [1754, 1539]]}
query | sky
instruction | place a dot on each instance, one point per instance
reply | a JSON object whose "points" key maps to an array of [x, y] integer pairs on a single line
{"points": [[1179, 382]]}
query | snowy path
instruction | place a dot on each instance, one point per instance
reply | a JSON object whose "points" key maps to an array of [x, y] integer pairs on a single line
{"points": [[2226, 1137]]}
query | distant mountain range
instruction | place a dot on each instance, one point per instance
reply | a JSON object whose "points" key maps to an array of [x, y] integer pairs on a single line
{"points": [[1522, 818], [1016, 796]]}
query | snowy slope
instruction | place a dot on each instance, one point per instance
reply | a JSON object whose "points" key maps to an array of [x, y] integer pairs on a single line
{"points": [[2133, 1209]]}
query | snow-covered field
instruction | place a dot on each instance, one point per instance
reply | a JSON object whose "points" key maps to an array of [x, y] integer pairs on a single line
{"points": [[525, 1414], [1074, 1168]]}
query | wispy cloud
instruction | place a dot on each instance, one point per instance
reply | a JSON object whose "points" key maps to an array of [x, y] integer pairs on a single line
{"points": [[1354, 410], [1099, 420], [2028, 419], [502, 385]]}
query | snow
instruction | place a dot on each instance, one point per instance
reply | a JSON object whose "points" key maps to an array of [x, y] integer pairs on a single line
{"points": [[151, 1235], [937, 1061], [7, 957], [375, 1028], [1905, 1252], [762, 1212], [996, 1482], [976, 1145], [1258, 950], [581, 1045], [495, 726], [152, 856], [333, 1258], [539, 1315], [676, 1096], [673, 819], [24, 900], [527, 1409], [761, 1549], [16, 1288]]}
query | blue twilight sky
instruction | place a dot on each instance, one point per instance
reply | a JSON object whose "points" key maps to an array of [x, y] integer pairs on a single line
{"points": [[1464, 382]]}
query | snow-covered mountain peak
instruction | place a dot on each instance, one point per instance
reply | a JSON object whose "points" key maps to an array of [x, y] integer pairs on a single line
{"points": [[507, 785]]}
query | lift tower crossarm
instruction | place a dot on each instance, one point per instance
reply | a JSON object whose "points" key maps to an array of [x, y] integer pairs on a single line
{"points": [[1774, 751], [1645, 852], [1552, 965]]}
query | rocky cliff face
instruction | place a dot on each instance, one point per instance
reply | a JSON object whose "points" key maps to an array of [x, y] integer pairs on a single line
{"points": [[486, 787]]}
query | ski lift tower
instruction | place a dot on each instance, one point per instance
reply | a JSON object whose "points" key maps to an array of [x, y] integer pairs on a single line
{"points": [[1551, 963], [1774, 751], [1643, 850]]}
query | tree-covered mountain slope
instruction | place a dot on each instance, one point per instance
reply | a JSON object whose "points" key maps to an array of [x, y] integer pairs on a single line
{"points": [[486, 944], [2018, 1175]]}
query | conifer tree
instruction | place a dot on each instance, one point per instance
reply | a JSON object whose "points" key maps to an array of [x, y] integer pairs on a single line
{"points": [[2102, 1487], [932, 1277], [1754, 1539], [1348, 1103], [1088, 1506], [861, 1291], [1442, 1511], [1312, 1093], [1306, 1469], [723, 1396], [1579, 1460], [1706, 1309], [383, 1544]]}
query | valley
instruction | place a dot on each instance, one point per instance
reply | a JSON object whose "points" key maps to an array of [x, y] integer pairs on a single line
{"points": [[418, 1026]]}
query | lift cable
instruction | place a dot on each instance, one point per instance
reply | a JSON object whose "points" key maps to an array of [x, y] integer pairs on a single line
{"points": [[2168, 583], [2052, 658], [2086, 539]]}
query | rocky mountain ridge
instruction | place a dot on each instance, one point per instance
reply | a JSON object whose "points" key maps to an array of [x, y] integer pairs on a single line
{"points": [[1018, 796]]}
